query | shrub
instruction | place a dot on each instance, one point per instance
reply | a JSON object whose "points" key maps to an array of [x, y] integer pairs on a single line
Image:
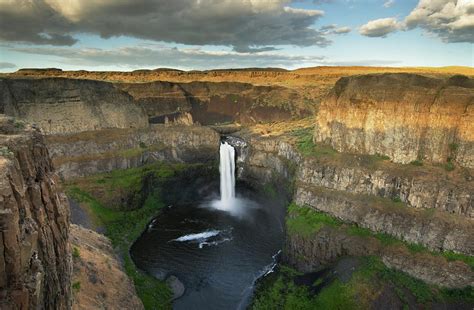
{"points": [[76, 286], [75, 253], [416, 163], [453, 147], [449, 166]]}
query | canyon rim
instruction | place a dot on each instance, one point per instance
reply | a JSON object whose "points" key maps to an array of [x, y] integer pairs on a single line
{"points": [[236, 154]]}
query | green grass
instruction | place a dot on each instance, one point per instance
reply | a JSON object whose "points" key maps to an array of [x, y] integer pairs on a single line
{"points": [[308, 148], [304, 221], [453, 147], [123, 227], [279, 291], [126, 183]]}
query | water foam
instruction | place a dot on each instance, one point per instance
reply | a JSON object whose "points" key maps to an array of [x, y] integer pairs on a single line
{"points": [[199, 236]]}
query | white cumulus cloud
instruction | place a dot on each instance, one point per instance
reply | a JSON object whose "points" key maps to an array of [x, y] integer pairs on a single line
{"points": [[450, 20], [380, 27]]}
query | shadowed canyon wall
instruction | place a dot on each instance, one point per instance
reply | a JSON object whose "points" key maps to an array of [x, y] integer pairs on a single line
{"points": [[59, 105], [404, 116], [35, 263]]}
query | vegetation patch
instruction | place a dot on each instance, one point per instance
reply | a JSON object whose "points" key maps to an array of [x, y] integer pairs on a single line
{"points": [[416, 163], [308, 148], [305, 221], [280, 291], [123, 227]]}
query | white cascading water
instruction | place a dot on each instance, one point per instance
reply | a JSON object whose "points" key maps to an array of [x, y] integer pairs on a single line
{"points": [[228, 201], [227, 172]]}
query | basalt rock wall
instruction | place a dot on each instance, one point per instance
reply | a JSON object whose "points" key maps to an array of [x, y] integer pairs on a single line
{"points": [[35, 261], [64, 106], [407, 117], [418, 205], [86, 153], [60, 106]]}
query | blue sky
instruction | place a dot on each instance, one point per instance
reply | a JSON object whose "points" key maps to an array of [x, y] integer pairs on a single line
{"points": [[205, 34]]}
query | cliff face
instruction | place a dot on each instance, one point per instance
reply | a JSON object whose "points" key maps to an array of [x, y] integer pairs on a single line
{"points": [[404, 116], [86, 153], [35, 263], [211, 103], [63, 106], [420, 205]]}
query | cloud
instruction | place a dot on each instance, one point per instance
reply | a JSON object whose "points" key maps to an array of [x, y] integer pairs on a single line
{"points": [[33, 22], [380, 27], [236, 23], [334, 29], [7, 65], [389, 3], [342, 30], [155, 55], [451, 20]]}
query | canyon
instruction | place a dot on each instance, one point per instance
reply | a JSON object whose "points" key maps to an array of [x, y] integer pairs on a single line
{"points": [[386, 153]]}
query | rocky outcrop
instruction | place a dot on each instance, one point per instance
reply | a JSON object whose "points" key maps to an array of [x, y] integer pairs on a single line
{"points": [[99, 280], [404, 116], [435, 230], [418, 187], [92, 152], [61, 106], [35, 261], [309, 253]]}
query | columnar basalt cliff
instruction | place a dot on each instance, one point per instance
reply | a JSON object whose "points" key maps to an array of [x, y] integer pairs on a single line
{"points": [[404, 116], [35, 262]]}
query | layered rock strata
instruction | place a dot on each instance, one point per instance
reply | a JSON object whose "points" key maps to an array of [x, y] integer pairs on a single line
{"points": [[87, 153], [407, 117], [420, 205], [61, 106]]}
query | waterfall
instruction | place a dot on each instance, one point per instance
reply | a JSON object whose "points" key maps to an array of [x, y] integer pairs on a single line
{"points": [[227, 172]]}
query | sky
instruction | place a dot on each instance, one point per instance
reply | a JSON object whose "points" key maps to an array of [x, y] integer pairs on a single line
{"points": [[125, 35]]}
